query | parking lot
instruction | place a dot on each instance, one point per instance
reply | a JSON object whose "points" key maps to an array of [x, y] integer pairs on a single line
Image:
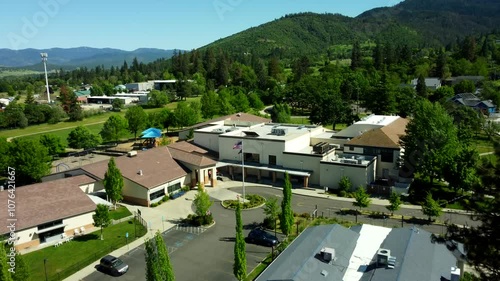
{"points": [[198, 253]]}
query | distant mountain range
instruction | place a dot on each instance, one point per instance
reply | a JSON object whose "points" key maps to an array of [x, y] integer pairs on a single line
{"points": [[71, 58], [412, 22]]}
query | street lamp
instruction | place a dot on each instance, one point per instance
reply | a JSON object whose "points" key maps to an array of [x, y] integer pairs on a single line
{"points": [[45, 266], [44, 60]]}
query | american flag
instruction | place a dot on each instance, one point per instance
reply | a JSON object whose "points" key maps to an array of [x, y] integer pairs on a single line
{"points": [[238, 145]]}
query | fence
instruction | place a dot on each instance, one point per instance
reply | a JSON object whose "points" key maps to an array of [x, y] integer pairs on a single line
{"points": [[98, 254]]}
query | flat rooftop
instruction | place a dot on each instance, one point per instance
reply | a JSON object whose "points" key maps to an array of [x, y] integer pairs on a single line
{"points": [[351, 159], [381, 120], [275, 131]]}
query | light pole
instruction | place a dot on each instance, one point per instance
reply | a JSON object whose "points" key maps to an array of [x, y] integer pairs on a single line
{"points": [[44, 60], [45, 266]]}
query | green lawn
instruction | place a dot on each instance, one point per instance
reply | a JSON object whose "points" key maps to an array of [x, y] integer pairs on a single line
{"points": [[70, 257], [63, 134], [482, 144], [89, 122], [119, 213]]}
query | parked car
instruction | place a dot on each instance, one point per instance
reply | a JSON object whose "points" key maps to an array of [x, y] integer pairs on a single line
{"points": [[261, 237], [113, 265]]}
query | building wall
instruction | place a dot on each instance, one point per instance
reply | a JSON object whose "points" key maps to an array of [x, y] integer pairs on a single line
{"points": [[204, 139], [355, 149], [390, 166], [134, 193], [310, 163], [28, 238], [92, 187], [359, 175]]}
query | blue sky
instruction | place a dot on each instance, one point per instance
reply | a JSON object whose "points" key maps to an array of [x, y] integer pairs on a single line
{"points": [[164, 24]]}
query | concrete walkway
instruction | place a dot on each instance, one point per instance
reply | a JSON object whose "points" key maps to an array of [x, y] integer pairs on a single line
{"points": [[165, 216]]}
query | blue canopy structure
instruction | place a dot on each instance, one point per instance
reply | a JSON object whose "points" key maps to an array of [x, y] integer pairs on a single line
{"points": [[151, 133]]}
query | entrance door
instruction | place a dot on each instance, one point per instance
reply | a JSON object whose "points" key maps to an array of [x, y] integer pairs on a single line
{"points": [[385, 173]]}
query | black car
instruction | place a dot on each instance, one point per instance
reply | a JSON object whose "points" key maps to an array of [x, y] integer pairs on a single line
{"points": [[261, 237], [113, 265]]}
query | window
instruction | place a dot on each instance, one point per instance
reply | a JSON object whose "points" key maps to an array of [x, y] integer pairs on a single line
{"points": [[252, 157], [157, 194], [386, 155], [173, 188], [272, 159], [351, 148], [50, 224]]}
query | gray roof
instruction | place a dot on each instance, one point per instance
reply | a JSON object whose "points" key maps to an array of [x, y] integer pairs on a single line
{"points": [[300, 261], [418, 256]]}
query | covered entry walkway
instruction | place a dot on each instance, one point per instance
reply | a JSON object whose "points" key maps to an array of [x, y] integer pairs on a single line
{"points": [[262, 170]]}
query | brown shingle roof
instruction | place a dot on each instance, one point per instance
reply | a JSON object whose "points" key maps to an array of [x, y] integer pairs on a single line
{"points": [[192, 158], [387, 136], [48, 201], [187, 147], [157, 165], [242, 118]]}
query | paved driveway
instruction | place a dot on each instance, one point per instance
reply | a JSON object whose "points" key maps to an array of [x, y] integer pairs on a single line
{"points": [[199, 254]]}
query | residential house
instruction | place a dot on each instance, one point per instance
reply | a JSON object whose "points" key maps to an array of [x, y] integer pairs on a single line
{"points": [[366, 253], [473, 101], [430, 83], [43, 212]]}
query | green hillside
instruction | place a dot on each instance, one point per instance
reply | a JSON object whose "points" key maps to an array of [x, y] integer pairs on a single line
{"points": [[412, 22]]}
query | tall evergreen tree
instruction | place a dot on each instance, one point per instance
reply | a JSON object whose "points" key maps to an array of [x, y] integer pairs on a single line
{"points": [[22, 269], [356, 56], [421, 87], [286, 218], [240, 260], [158, 266], [378, 56], [113, 182], [5, 275]]}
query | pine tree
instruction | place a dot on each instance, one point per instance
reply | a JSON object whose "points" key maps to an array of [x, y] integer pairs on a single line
{"points": [[240, 260], [113, 182], [286, 219], [158, 266], [356, 56], [421, 87]]}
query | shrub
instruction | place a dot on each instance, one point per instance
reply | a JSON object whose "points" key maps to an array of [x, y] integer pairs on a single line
{"points": [[186, 188], [343, 193], [305, 215], [268, 223]]}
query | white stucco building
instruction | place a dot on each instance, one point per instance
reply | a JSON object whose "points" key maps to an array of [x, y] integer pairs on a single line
{"points": [[312, 155], [43, 212]]}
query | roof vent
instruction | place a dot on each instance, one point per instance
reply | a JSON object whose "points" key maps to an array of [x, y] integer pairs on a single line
{"points": [[139, 172], [324, 273], [383, 257], [327, 254]]}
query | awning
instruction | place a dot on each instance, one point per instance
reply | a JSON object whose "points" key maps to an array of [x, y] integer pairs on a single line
{"points": [[50, 228], [153, 132], [265, 168]]}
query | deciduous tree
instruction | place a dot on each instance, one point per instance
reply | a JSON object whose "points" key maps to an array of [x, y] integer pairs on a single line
{"points": [[53, 144], [101, 217], [202, 203], [114, 128], [81, 137], [137, 119], [394, 203], [431, 207], [5, 275], [362, 198], [22, 271], [113, 182], [30, 159]]}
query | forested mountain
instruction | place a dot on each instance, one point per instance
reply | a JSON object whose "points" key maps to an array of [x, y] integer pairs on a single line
{"points": [[78, 57], [412, 22]]}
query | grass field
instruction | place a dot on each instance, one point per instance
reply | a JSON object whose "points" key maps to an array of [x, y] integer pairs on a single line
{"points": [[62, 129], [119, 213], [70, 257]]}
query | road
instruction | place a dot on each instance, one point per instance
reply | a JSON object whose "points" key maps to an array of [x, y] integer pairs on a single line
{"points": [[207, 254]]}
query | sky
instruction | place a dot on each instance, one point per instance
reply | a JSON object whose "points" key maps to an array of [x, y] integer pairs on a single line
{"points": [[163, 24]]}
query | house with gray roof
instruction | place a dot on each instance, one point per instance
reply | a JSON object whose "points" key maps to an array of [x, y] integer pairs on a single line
{"points": [[473, 101], [365, 253], [430, 82]]}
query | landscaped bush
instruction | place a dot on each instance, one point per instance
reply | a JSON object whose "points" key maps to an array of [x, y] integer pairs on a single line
{"points": [[195, 220], [268, 223], [164, 199], [378, 215], [186, 188], [254, 201]]}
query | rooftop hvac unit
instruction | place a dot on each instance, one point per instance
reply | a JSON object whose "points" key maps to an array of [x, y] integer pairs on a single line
{"points": [[321, 147], [132, 153], [384, 258], [278, 131], [327, 254], [218, 130]]}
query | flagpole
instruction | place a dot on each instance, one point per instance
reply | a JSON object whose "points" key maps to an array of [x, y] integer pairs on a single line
{"points": [[243, 168]]}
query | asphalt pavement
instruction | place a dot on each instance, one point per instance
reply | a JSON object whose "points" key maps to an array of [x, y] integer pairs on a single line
{"points": [[199, 253]]}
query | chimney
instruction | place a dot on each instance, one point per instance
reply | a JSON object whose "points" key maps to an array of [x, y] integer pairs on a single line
{"points": [[139, 172]]}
